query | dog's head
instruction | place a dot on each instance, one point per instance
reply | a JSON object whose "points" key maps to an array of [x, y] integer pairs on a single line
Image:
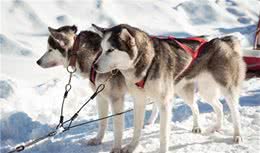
{"points": [[59, 42], [122, 46]]}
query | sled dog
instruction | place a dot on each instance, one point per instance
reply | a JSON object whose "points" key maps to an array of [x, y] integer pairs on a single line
{"points": [[60, 43], [165, 67]]}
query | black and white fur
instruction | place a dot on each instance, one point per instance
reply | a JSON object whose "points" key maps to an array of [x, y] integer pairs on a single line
{"points": [[60, 44], [219, 70]]}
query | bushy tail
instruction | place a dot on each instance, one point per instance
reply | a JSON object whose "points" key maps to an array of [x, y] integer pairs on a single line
{"points": [[234, 43]]}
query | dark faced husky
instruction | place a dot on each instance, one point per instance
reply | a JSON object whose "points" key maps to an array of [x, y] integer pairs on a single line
{"points": [[60, 44], [218, 69]]}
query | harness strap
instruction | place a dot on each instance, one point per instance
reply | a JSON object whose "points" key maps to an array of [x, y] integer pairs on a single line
{"points": [[194, 54], [73, 60], [75, 48], [186, 48], [93, 72], [141, 83]]}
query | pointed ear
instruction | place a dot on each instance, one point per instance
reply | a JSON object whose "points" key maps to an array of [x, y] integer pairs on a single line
{"points": [[99, 30], [127, 37], [57, 36], [52, 30], [74, 28]]}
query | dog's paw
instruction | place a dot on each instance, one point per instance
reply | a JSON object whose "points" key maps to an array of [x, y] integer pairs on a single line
{"points": [[128, 149], [196, 130], [94, 141], [116, 150], [238, 139]]}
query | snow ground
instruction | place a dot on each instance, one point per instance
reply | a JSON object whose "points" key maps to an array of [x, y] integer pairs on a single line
{"points": [[30, 97]]}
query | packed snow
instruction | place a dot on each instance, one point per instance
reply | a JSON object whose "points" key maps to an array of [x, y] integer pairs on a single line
{"points": [[30, 97]]}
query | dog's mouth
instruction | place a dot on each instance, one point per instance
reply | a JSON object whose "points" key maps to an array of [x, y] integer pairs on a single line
{"points": [[49, 65]]}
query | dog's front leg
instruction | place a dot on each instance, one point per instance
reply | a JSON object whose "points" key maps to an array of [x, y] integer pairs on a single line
{"points": [[139, 108], [154, 115], [165, 120], [102, 105], [117, 105]]}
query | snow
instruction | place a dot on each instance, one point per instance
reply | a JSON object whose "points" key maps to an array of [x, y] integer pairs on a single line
{"points": [[30, 96]]}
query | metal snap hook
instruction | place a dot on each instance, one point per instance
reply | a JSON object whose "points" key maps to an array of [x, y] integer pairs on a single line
{"points": [[67, 87], [71, 69]]}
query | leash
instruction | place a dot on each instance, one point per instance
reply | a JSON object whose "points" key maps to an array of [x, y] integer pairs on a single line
{"points": [[62, 125], [68, 86], [22, 147], [60, 128], [56, 132]]}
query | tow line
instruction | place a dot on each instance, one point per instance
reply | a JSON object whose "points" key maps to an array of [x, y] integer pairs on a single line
{"points": [[64, 126]]}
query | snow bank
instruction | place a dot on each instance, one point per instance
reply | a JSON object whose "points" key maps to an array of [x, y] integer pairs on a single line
{"points": [[30, 96], [10, 47], [6, 89], [21, 127], [21, 17]]}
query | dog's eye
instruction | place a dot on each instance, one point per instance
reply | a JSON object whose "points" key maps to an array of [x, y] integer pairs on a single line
{"points": [[110, 50], [49, 50]]}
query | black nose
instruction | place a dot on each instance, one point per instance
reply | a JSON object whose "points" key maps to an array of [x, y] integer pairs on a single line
{"points": [[96, 66], [39, 62]]}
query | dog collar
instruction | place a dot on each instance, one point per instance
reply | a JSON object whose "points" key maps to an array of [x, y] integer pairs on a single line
{"points": [[73, 54], [92, 76], [93, 73], [73, 59]]}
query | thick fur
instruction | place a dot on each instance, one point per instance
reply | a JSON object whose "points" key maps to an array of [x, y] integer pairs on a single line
{"points": [[60, 43], [219, 70]]}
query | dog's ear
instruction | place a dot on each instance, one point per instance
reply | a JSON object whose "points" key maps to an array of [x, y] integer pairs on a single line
{"points": [[57, 36], [74, 28], [100, 31], [127, 37]]}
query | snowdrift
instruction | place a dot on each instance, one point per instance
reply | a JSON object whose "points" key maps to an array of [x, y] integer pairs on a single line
{"points": [[30, 97]]}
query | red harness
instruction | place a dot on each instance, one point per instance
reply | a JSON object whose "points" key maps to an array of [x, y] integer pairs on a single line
{"points": [[194, 54], [73, 60], [93, 73], [73, 54]]}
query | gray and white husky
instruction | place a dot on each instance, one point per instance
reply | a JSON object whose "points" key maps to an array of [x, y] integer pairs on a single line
{"points": [[60, 44], [218, 70]]}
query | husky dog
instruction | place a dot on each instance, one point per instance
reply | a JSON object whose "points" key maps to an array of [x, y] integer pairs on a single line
{"points": [[218, 69], [60, 44]]}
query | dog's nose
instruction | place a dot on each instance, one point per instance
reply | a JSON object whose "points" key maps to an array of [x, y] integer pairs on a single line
{"points": [[39, 62], [96, 66]]}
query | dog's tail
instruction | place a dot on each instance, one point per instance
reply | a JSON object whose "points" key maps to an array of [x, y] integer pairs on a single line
{"points": [[233, 42], [236, 61]]}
